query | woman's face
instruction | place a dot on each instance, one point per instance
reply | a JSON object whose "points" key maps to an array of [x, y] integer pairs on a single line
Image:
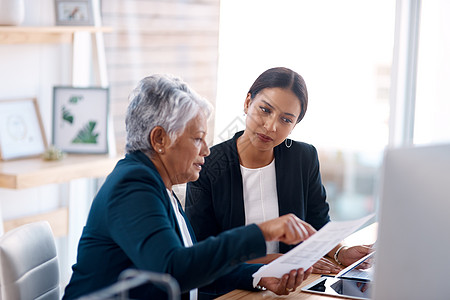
{"points": [[184, 158], [271, 116]]}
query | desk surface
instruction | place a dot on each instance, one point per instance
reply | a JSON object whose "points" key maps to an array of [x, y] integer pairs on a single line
{"points": [[298, 294], [367, 235]]}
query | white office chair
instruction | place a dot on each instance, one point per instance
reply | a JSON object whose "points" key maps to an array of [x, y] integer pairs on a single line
{"points": [[29, 263]]}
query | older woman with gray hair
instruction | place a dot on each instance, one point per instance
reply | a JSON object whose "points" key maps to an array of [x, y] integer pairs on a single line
{"points": [[136, 221]]}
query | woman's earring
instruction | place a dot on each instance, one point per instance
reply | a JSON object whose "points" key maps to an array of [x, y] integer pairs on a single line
{"points": [[288, 144]]}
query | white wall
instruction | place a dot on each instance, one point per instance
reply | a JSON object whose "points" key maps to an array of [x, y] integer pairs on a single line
{"points": [[31, 70]]}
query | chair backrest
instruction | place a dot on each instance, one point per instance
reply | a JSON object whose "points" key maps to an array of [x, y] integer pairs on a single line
{"points": [[29, 263]]}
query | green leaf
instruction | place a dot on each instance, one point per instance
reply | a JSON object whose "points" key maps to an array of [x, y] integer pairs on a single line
{"points": [[75, 99], [67, 115], [86, 135]]}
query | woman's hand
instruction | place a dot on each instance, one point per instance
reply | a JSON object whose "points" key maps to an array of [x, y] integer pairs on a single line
{"points": [[287, 229], [349, 255], [287, 283], [325, 266]]}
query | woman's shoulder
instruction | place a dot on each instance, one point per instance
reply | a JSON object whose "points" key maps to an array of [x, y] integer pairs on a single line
{"points": [[297, 147], [222, 160], [297, 153], [223, 152], [128, 177], [136, 166], [225, 146]]}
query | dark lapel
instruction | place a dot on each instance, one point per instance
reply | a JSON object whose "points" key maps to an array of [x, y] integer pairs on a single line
{"points": [[140, 156], [237, 218]]}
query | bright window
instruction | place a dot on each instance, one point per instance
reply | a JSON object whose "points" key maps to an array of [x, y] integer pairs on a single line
{"points": [[432, 115]]}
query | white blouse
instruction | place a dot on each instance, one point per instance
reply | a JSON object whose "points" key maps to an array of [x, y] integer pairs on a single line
{"points": [[260, 197], [187, 240]]}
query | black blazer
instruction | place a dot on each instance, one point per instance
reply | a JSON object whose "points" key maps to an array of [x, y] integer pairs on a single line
{"points": [[215, 202]]}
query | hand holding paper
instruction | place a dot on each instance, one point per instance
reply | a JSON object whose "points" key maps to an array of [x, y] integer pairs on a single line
{"points": [[288, 229], [311, 250], [287, 283]]}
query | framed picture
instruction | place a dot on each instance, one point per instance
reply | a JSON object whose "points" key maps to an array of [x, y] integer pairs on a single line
{"points": [[21, 130], [74, 12], [80, 119]]}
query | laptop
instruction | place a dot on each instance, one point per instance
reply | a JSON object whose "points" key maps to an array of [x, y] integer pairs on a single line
{"points": [[412, 260]]}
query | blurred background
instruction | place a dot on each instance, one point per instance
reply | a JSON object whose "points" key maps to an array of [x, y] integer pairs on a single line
{"points": [[344, 50], [376, 72]]}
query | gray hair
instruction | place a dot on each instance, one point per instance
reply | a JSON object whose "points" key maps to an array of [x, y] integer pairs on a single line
{"points": [[161, 100]]}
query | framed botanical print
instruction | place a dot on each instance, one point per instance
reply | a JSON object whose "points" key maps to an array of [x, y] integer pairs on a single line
{"points": [[21, 130], [80, 119]]}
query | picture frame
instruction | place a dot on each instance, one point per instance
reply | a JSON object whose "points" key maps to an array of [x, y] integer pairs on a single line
{"points": [[80, 119], [74, 12], [21, 129]]}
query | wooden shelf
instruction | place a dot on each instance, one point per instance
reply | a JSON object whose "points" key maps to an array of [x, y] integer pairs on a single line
{"points": [[58, 219], [44, 34], [33, 172]]}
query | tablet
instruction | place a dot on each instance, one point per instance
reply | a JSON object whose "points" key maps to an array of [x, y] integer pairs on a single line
{"points": [[353, 273], [340, 287]]}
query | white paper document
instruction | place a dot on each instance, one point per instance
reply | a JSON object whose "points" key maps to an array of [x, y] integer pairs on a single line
{"points": [[310, 251]]}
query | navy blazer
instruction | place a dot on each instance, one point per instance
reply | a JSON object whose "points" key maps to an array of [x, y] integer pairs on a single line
{"points": [[131, 224], [215, 202]]}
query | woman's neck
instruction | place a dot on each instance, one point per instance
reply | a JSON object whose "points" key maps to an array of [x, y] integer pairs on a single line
{"points": [[159, 165], [249, 156]]}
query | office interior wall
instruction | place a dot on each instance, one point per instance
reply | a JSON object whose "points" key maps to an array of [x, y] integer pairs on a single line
{"points": [[176, 37], [148, 37]]}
